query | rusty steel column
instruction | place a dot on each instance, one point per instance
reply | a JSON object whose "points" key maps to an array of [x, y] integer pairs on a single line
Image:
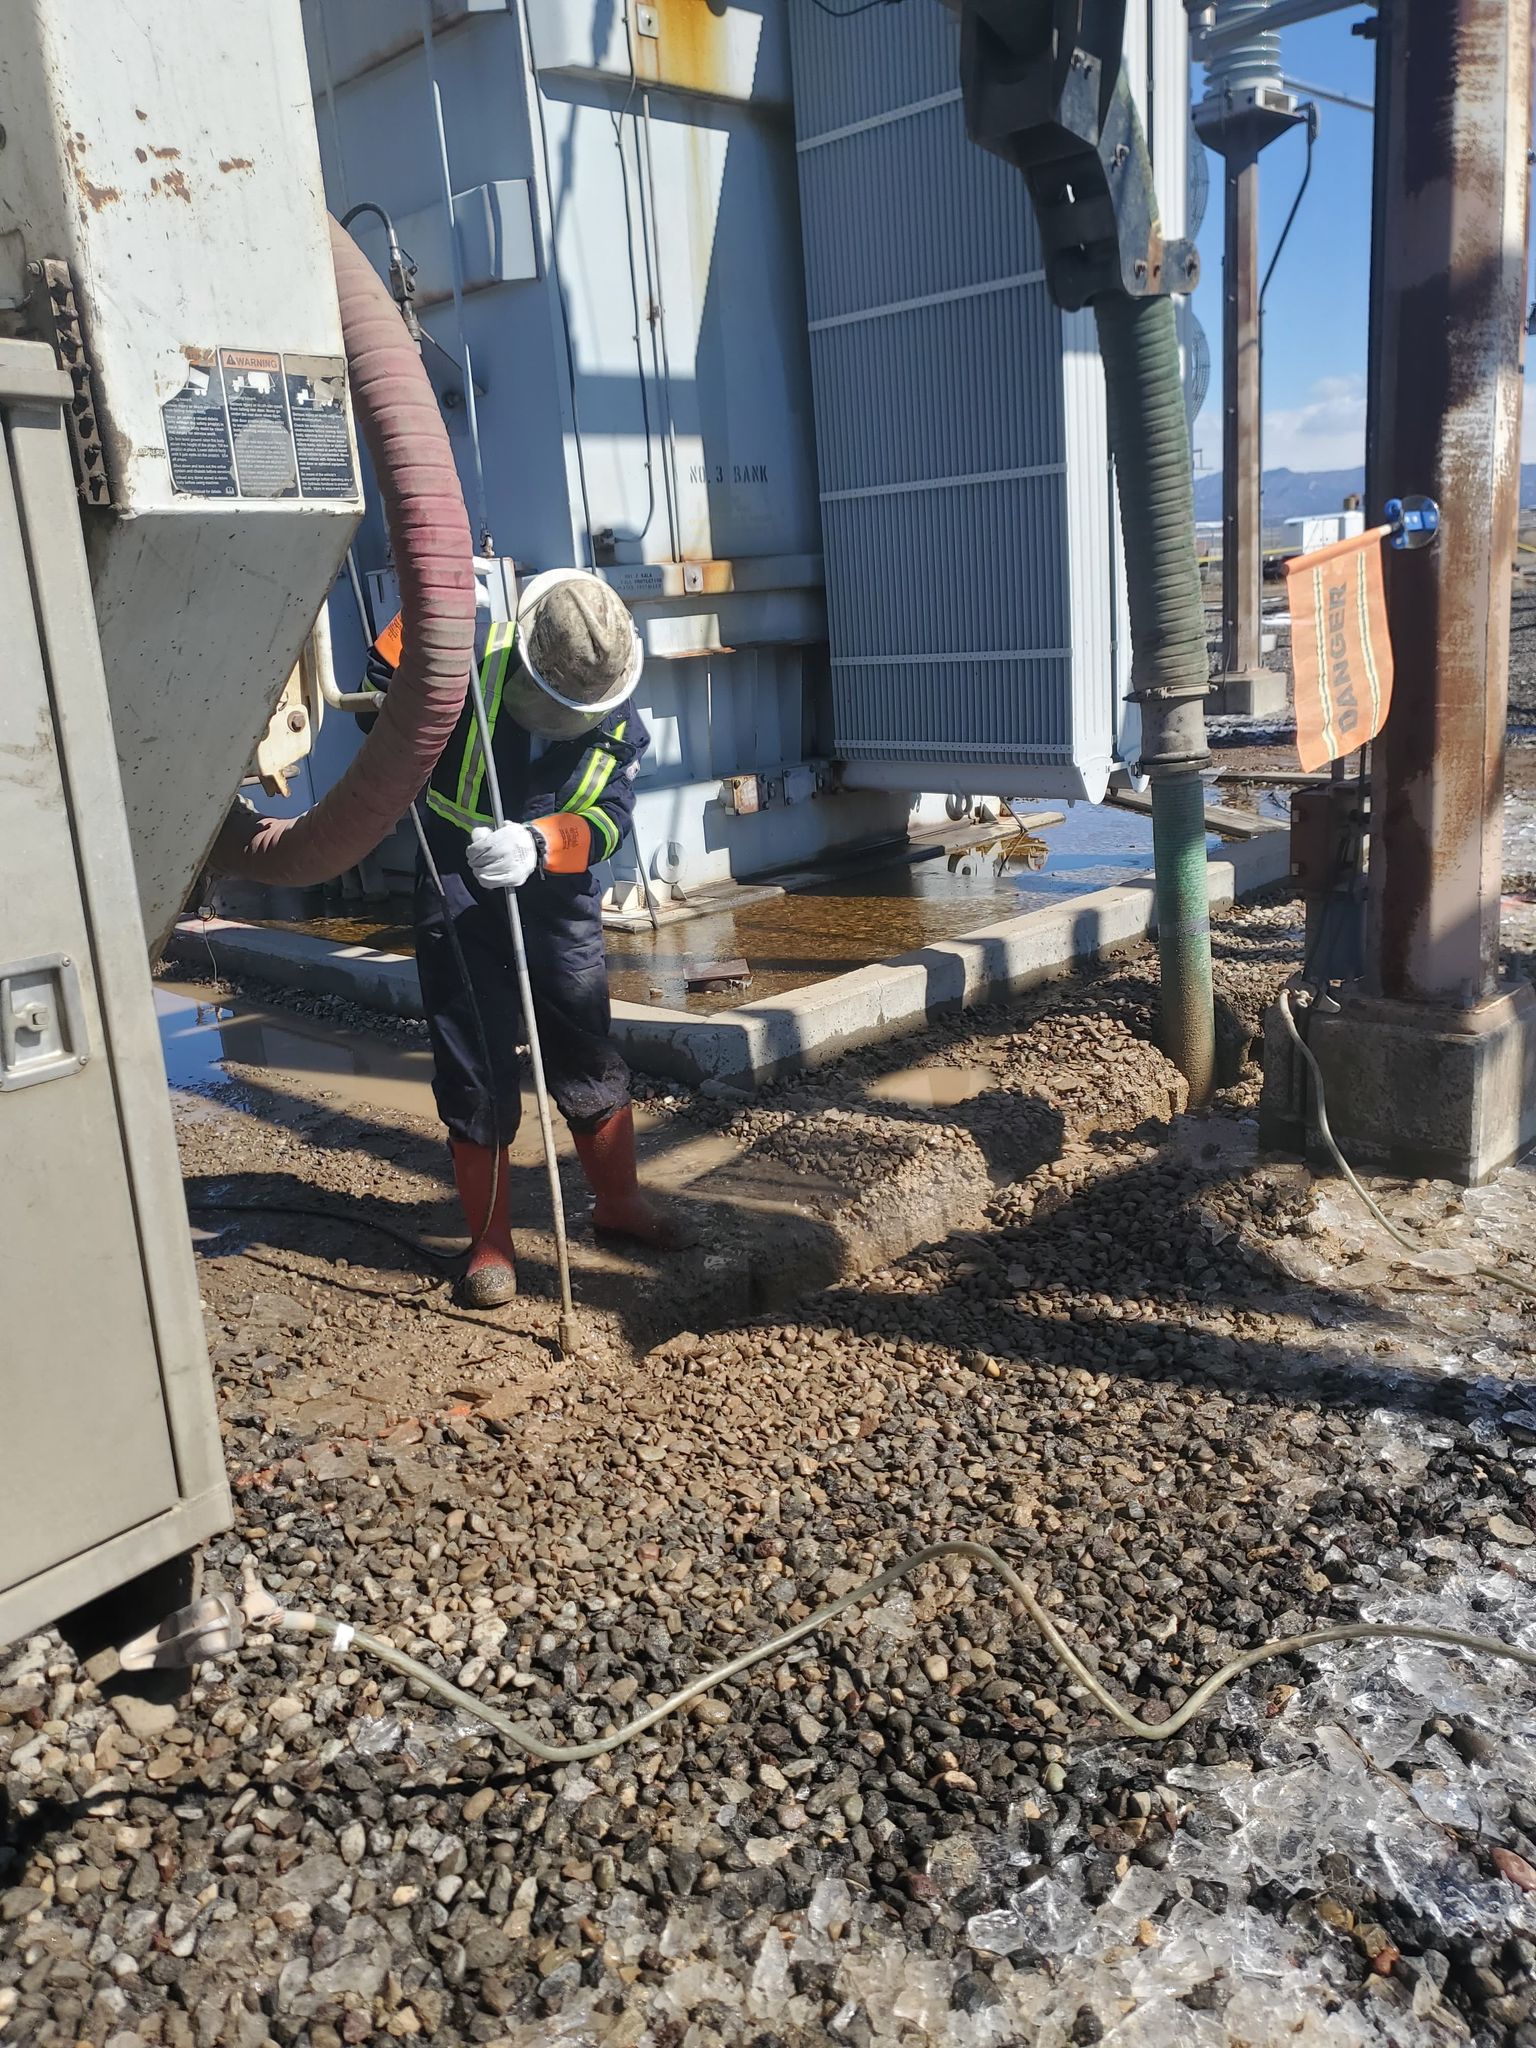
{"points": [[1242, 539], [1446, 386], [1430, 1063]]}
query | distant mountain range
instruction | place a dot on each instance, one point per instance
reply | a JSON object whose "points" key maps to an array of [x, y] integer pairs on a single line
{"points": [[1291, 494], [1288, 493]]}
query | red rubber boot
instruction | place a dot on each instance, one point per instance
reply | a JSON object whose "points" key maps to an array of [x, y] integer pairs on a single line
{"points": [[623, 1209], [490, 1278]]}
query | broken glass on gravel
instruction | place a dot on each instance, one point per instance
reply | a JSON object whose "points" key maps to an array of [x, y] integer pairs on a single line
{"points": [[423, 1741], [1354, 1768]]}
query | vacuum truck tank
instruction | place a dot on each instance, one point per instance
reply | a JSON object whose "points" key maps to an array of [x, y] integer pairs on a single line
{"points": [[162, 226]]}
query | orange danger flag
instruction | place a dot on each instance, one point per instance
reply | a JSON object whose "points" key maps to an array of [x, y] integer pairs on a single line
{"points": [[1341, 655]]}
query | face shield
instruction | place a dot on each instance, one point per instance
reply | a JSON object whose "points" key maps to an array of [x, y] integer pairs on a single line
{"points": [[578, 654]]}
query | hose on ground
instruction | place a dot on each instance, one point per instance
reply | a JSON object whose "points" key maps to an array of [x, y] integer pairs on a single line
{"points": [[1149, 439], [262, 1610], [398, 414]]}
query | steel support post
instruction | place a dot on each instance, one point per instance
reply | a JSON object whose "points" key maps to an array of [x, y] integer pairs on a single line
{"points": [[1239, 133], [1242, 540], [1432, 1065], [1445, 396]]}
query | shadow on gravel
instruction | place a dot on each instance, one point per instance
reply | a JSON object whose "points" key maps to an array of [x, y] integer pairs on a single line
{"points": [[1183, 1281]]}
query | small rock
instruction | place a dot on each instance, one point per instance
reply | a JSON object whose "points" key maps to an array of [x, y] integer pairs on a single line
{"points": [[145, 1720]]}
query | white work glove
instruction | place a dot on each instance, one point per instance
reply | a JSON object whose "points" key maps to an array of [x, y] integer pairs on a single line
{"points": [[505, 858]]}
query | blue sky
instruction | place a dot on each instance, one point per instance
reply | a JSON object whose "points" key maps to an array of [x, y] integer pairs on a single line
{"points": [[1316, 312]]}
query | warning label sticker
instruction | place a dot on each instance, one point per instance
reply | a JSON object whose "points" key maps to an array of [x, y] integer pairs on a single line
{"points": [[249, 423], [317, 409], [197, 432], [265, 462]]}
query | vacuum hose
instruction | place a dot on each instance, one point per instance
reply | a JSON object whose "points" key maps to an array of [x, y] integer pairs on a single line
{"points": [[398, 416], [1149, 439]]}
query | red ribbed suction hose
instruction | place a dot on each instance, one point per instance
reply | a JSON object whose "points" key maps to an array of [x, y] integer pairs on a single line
{"points": [[424, 504]]}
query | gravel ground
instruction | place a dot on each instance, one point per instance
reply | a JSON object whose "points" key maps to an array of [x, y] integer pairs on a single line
{"points": [[1187, 1389]]}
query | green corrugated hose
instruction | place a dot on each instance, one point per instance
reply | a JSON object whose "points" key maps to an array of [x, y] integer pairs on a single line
{"points": [[1149, 438]]}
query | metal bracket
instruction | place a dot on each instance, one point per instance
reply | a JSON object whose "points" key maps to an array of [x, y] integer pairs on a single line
{"points": [[42, 1021], [1045, 90], [56, 318], [1415, 521]]}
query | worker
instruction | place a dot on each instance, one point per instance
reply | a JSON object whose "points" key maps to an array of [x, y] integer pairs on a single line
{"points": [[566, 743]]}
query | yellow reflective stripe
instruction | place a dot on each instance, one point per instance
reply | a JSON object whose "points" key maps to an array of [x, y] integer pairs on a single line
{"points": [[445, 808], [589, 784], [493, 672], [508, 634], [598, 775], [605, 829]]}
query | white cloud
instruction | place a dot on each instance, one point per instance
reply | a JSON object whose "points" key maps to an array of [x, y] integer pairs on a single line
{"points": [[1327, 432]]}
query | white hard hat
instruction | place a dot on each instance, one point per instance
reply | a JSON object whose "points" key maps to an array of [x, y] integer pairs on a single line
{"points": [[579, 654]]}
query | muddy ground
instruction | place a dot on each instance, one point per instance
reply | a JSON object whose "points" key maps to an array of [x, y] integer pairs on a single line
{"points": [[1194, 1395]]}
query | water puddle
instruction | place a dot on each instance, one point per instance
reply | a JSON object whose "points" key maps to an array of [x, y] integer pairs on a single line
{"points": [[844, 922], [290, 1055], [932, 1087]]}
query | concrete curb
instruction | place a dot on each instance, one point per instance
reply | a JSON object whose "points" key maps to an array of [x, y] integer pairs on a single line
{"points": [[805, 1028]]}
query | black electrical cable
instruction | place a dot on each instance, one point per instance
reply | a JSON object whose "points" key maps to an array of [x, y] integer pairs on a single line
{"points": [[369, 206], [357, 1219], [847, 13], [634, 284], [1301, 193]]}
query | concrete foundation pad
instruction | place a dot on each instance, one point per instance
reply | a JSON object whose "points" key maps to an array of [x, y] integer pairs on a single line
{"points": [[804, 1028], [1412, 1090], [1249, 693]]}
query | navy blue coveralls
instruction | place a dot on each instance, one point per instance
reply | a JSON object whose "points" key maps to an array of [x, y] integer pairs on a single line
{"points": [[594, 777]]}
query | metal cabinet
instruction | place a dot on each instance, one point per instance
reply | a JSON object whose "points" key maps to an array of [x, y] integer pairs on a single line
{"points": [[109, 1451]]}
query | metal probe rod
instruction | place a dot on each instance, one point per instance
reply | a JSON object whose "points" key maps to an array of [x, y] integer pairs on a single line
{"points": [[567, 1331]]}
